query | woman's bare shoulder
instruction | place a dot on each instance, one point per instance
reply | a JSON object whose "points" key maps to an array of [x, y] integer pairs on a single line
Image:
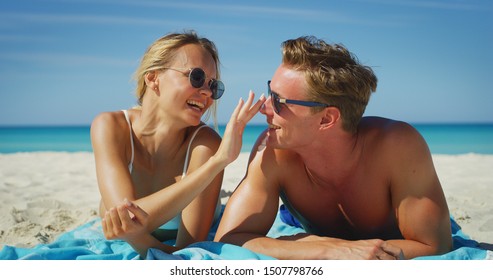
{"points": [[205, 138], [109, 124]]}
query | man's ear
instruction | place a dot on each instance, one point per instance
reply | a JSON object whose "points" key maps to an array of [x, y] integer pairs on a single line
{"points": [[152, 82], [331, 116]]}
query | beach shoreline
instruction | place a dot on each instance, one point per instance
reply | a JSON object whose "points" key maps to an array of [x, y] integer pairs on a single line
{"points": [[44, 194]]}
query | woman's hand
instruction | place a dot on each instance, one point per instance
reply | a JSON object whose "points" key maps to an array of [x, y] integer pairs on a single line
{"points": [[117, 223], [231, 143]]}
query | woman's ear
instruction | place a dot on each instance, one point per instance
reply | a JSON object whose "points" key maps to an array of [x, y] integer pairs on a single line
{"points": [[331, 116], [152, 81]]}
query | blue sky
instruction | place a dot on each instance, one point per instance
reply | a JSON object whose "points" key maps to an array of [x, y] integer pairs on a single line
{"points": [[62, 62]]}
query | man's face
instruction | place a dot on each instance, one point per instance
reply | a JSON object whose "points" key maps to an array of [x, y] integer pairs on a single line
{"points": [[294, 124]]}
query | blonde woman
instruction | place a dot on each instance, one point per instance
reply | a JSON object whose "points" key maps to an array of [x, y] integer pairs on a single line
{"points": [[159, 168]]}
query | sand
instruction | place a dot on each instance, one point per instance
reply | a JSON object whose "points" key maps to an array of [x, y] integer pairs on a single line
{"points": [[44, 194]]}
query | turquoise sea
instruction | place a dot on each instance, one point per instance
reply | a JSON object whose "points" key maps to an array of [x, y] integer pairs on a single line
{"points": [[441, 138]]}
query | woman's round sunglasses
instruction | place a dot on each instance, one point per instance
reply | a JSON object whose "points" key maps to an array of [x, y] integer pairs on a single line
{"points": [[277, 101], [197, 78]]}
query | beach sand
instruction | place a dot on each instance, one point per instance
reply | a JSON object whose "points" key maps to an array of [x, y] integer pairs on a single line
{"points": [[45, 194]]}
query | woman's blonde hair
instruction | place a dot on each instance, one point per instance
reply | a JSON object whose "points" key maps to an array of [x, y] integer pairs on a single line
{"points": [[161, 53]]}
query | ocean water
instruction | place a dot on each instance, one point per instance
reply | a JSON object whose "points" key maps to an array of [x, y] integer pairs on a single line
{"points": [[441, 138]]}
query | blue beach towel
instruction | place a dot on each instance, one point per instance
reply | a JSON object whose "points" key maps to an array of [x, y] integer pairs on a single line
{"points": [[464, 247], [87, 242]]}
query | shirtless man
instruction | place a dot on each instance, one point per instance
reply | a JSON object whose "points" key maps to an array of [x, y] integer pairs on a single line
{"points": [[363, 188]]}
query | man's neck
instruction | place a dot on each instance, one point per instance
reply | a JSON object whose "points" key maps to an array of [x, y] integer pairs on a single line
{"points": [[333, 159]]}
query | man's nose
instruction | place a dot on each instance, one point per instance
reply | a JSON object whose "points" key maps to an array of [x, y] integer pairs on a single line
{"points": [[266, 107]]}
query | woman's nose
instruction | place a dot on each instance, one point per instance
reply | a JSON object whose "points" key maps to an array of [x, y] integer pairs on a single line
{"points": [[206, 90]]}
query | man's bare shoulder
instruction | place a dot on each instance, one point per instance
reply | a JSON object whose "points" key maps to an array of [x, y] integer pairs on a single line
{"points": [[391, 137], [388, 130], [383, 124]]}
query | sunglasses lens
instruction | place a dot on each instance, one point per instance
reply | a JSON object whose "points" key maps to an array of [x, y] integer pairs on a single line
{"points": [[274, 98], [197, 80], [217, 89], [275, 103], [197, 77]]}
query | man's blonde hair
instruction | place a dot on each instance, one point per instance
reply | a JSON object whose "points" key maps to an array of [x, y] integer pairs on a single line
{"points": [[333, 75]]}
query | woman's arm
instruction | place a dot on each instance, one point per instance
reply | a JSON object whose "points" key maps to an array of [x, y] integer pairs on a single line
{"points": [[198, 216], [117, 224], [112, 155], [163, 205]]}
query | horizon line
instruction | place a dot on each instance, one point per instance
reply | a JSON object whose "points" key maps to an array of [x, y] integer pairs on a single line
{"points": [[255, 124]]}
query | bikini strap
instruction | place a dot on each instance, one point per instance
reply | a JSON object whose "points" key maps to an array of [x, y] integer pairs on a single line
{"points": [[185, 166], [130, 165]]}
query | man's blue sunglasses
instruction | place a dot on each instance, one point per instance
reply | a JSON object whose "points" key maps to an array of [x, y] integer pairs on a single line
{"points": [[277, 101]]}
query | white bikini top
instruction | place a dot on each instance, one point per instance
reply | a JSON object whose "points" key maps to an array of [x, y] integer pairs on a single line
{"points": [[185, 166]]}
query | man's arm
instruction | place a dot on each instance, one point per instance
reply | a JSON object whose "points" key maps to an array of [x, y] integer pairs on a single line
{"points": [[417, 196], [252, 208]]}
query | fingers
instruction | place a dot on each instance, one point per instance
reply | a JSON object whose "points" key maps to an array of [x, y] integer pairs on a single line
{"points": [[117, 220], [244, 112], [382, 255], [249, 101], [106, 230], [387, 251], [255, 108], [125, 219], [394, 251], [236, 112], [107, 225], [247, 111], [140, 214], [248, 104]]}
